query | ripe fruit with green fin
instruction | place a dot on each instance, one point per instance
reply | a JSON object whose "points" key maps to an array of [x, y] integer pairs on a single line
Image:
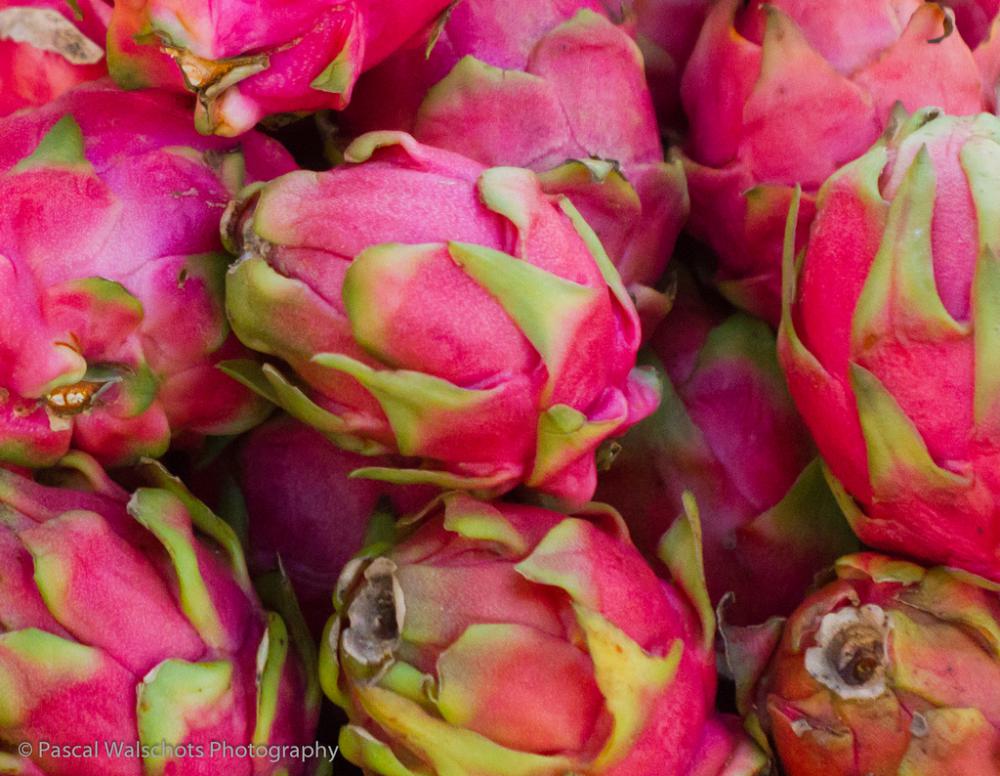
{"points": [[129, 620], [890, 342], [416, 302], [508, 640]]}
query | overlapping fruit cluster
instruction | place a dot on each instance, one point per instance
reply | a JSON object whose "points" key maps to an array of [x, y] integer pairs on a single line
{"points": [[482, 388]]}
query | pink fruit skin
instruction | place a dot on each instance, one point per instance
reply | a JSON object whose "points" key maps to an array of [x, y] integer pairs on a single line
{"points": [[433, 283], [667, 31], [503, 625], [38, 66], [894, 377], [112, 268], [974, 18], [728, 432], [784, 93], [96, 641], [296, 56], [304, 508], [510, 85], [727, 750]]}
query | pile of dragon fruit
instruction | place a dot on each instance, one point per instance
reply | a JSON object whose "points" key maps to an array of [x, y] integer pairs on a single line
{"points": [[499, 388]]}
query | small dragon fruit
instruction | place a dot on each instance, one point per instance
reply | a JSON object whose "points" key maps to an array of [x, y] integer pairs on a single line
{"points": [[304, 511], [509, 640], [431, 307], [506, 86], [784, 93], [47, 47], [112, 270], [131, 622], [889, 342], [249, 61], [666, 31], [890, 670], [727, 431]]}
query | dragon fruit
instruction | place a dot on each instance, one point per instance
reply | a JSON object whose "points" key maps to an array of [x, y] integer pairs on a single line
{"points": [[246, 62], [784, 93], [527, 79], [112, 270], [666, 31], [304, 510], [47, 47], [888, 341], [494, 638], [431, 307], [727, 431], [891, 669], [130, 622]]}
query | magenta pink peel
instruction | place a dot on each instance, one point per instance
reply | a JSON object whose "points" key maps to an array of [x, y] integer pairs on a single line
{"points": [[129, 621], [113, 320], [494, 638], [784, 93], [248, 61], [728, 432], [49, 46], [418, 303], [558, 87], [888, 340]]}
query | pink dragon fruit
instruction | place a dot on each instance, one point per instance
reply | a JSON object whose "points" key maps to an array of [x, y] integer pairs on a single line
{"points": [[785, 92], [890, 338], [727, 431], [432, 307], [666, 31], [508, 640], [47, 47], [131, 622], [246, 61], [526, 78], [889, 670], [112, 270], [304, 510]]}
